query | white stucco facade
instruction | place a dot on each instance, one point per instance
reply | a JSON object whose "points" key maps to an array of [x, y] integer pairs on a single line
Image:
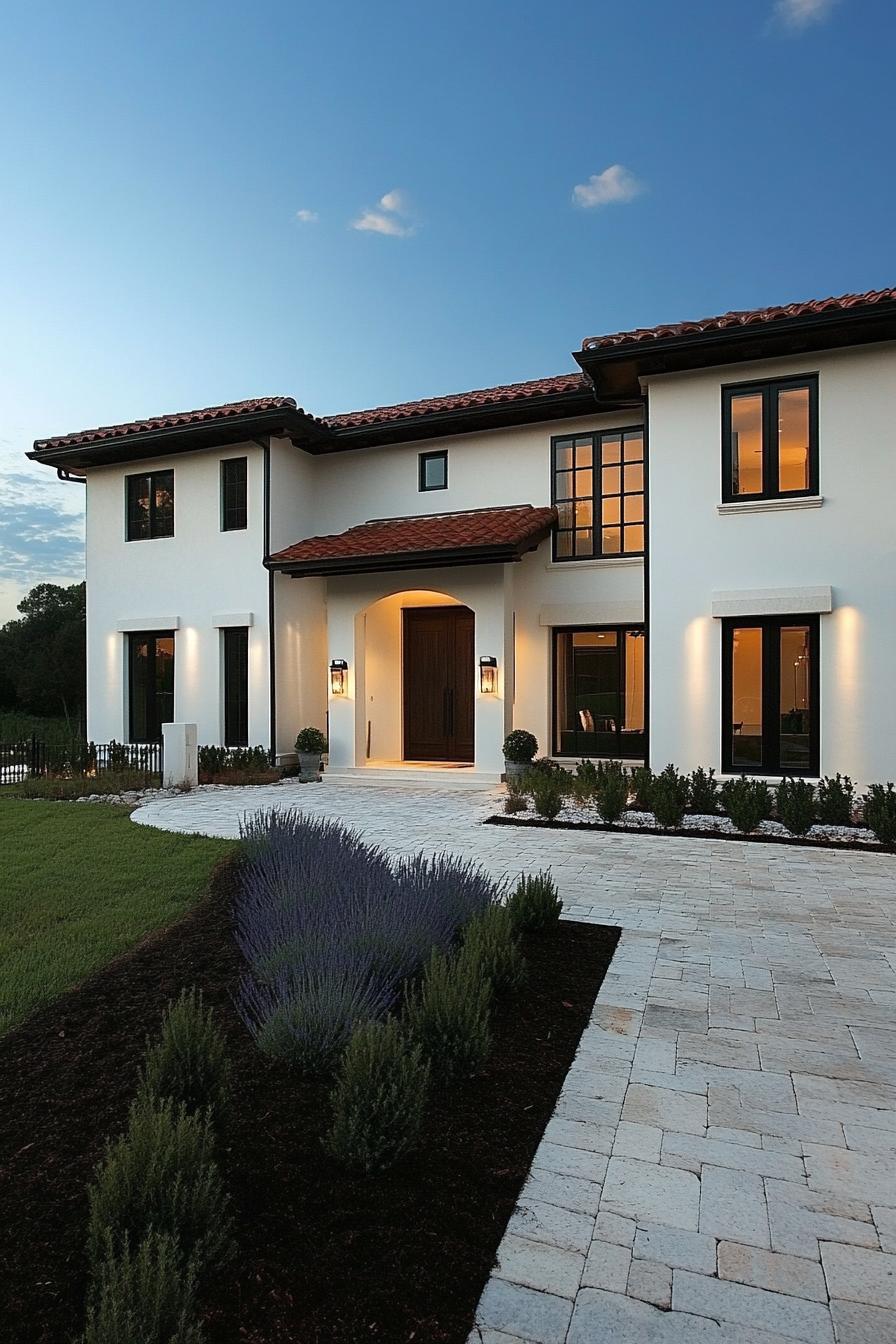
{"points": [[776, 559], [831, 555]]}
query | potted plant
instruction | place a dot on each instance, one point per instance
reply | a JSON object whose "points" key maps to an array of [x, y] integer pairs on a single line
{"points": [[519, 752], [310, 745]]}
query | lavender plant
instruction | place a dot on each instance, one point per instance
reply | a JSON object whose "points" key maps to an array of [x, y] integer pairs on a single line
{"points": [[330, 930]]}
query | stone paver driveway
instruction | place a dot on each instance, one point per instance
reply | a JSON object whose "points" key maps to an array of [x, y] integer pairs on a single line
{"points": [[721, 1165]]}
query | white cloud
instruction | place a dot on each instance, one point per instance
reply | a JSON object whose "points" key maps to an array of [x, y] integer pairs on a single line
{"points": [[799, 14], [395, 201], [307, 216], [614, 186], [390, 216]]}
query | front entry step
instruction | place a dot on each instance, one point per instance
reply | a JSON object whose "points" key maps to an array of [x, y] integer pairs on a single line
{"points": [[434, 777]]}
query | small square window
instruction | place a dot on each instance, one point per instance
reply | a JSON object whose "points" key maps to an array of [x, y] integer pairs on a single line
{"points": [[434, 471]]}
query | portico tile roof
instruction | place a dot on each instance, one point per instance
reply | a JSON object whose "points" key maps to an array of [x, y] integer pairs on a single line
{"points": [[740, 318], [500, 533]]}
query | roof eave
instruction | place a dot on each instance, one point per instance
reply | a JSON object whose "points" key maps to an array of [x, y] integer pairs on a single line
{"points": [[142, 444], [464, 420], [616, 370]]}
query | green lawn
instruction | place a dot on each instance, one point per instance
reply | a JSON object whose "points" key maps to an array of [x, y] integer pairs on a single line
{"points": [[80, 883]]}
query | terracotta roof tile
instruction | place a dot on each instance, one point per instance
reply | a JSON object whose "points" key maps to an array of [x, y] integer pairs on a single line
{"points": [[510, 527], [742, 318], [459, 401], [176, 420]]}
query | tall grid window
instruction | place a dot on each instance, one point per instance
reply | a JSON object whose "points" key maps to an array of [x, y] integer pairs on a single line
{"points": [[234, 511], [236, 687], [598, 489]]}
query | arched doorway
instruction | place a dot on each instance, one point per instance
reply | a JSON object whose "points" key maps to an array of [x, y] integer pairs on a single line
{"points": [[416, 700]]}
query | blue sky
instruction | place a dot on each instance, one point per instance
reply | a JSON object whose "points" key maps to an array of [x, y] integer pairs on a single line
{"points": [[183, 185]]}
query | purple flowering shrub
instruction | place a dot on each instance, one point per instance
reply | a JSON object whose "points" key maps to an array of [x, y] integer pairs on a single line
{"points": [[330, 930]]}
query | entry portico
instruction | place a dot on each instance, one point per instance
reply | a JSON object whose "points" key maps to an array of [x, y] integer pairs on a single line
{"points": [[419, 605]]}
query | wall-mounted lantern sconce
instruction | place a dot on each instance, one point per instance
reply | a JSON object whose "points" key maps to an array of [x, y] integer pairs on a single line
{"points": [[488, 676], [338, 676]]}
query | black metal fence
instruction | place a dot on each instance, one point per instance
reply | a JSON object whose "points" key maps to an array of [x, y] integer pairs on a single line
{"points": [[33, 757], [21, 760]]}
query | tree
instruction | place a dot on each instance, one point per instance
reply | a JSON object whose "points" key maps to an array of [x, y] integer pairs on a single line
{"points": [[43, 656]]}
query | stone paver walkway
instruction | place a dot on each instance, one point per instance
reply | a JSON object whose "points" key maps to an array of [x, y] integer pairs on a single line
{"points": [[721, 1165]]}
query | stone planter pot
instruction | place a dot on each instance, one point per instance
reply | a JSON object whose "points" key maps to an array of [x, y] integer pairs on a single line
{"points": [[515, 769], [309, 762]]}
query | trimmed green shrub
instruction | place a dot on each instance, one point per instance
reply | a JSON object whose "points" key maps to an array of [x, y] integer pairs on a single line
{"points": [[520, 747], [835, 800], [448, 1016], [378, 1098], [515, 802], [161, 1174], [669, 798], [144, 1297], [641, 788], [747, 802], [547, 795], [704, 788], [234, 760], [880, 812], [611, 791], [795, 805], [188, 1063], [311, 740], [489, 944], [534, 904]]}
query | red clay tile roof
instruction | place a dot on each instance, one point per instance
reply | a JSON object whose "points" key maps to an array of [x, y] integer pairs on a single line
{"points": [[177, 420], [460, 401], [514, 528], [744, 318]]}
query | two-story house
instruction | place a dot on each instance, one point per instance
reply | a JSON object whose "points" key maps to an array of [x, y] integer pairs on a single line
{"points": [[683, 551]]}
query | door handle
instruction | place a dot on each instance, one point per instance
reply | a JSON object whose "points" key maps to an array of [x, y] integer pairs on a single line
{"points": [[450, 712]]}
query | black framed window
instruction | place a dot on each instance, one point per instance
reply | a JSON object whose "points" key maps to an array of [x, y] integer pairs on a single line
{"points": [[770, 695], [599, 707], [770, 439], [150, 685], [598, 490], [234, 494], [150, 505], [236, 687], [433, 471]]}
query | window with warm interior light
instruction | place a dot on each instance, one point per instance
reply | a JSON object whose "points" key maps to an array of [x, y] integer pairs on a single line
{"points": [[770, 695], [150, 505], [770, 439], [150, 684], [599, 692], [598, 490]]}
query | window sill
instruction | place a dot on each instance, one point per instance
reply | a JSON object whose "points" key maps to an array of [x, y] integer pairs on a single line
{"points": [[600, 562], [770, 505]]}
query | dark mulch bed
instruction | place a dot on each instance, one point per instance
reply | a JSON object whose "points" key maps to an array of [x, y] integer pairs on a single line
{"points": [[321, 1256], [691, 833]]}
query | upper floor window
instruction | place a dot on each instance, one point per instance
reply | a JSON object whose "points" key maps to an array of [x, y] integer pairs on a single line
{"points": [[150, 505], [234, 494], [598, 488], [770, 439], [434, 471]]}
